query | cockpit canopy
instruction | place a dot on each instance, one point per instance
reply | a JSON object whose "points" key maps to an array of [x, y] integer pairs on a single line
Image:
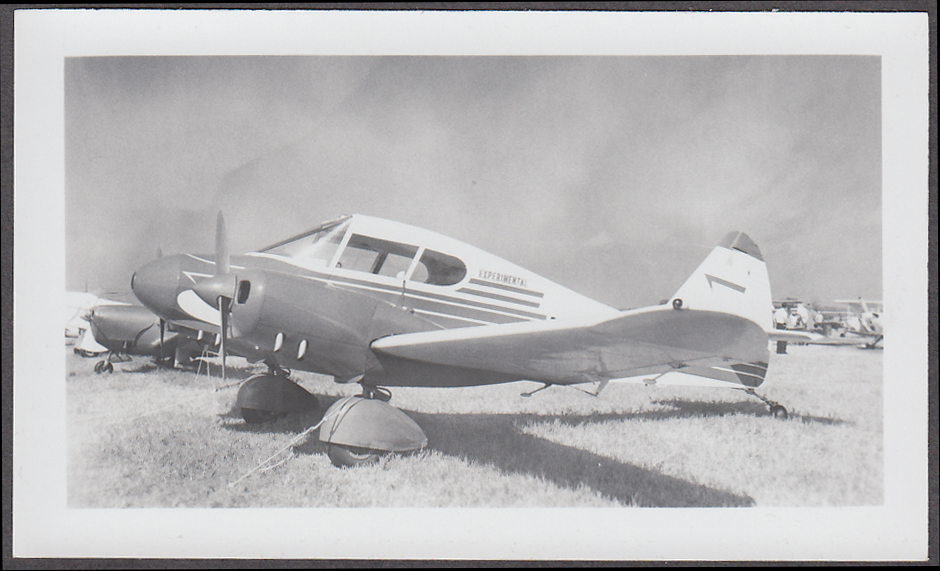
{"points": [[343, 244]]}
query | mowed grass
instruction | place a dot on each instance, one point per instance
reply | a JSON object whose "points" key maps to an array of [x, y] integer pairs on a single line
{"points": [[149, 437]]}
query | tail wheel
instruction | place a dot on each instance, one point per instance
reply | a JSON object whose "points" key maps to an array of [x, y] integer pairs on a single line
{"points": [[342, 456], [257, 416]]}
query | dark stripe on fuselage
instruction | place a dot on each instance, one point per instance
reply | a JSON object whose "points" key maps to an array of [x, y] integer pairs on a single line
{"points": [[475, 281], [499, 297], [419, 294], [419, 299], [460, 311], [467, 302]]}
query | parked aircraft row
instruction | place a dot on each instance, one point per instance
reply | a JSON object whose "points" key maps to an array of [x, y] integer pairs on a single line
{"points": [[385, 304], [843, 322]]}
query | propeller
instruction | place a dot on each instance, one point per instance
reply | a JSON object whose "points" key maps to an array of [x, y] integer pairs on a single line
{"points": [[222, 269], [219, 290], [162, 321], [221, 246], [162, 333]]}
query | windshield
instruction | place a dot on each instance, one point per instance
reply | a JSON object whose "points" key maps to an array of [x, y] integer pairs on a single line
{"points": [[313, 249]]}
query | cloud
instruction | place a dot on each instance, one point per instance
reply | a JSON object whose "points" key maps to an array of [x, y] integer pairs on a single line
{"points": [[647, 160]]}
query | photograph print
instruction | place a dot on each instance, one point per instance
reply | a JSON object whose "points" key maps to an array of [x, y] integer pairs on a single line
{"points": [[465, 280]]}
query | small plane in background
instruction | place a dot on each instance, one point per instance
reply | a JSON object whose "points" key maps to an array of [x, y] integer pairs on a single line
{"points": [[78, 306], [124, 330], [861, 323], [847, 322], [384, 304]]}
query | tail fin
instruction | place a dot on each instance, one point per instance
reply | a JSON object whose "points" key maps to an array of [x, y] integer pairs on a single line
{"points": [[732, 279]]}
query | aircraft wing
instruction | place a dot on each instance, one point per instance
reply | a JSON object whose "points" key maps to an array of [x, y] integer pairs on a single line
{"points": [[707, 344], [792, 335]]}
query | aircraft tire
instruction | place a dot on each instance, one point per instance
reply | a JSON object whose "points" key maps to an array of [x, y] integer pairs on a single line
{"points": [[348, 456], [257, 416], [779, 412]]}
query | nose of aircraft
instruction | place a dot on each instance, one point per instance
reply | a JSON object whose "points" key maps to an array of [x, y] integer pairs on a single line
{"points": [[157, 283]]}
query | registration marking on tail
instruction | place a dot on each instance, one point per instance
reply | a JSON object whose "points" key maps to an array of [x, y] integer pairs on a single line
{"points": [[712, 279]]}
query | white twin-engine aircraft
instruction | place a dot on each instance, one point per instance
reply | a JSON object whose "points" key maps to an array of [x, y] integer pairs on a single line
{"points": [[386, 304]]}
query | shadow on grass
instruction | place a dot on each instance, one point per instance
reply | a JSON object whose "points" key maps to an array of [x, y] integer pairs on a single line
{"points": [[197, 368], [495, 439], [681, 408]]}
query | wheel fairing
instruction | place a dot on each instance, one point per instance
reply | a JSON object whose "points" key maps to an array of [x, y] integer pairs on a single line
{"points": [[370, 423], [274, 394]]}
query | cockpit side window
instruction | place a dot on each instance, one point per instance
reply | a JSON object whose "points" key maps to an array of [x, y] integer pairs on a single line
{"points": [[436, 268], [376, 256]]}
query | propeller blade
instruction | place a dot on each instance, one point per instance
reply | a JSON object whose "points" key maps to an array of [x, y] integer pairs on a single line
{"points": [[223, 314], [221, 247], [162, 332]]}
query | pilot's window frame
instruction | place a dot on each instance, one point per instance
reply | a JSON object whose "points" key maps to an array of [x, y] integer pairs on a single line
{"points": [[390, 255], [318, 235], [339, 251], [414, 265]]}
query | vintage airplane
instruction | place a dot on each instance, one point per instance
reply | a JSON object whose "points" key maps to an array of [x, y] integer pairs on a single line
{"points": [[847, 323], [385, 304], [134, 330], [78, 306], [861, 323]]}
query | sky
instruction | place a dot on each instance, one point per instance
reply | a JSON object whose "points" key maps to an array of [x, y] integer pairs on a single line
{"points": [[611, 175]]}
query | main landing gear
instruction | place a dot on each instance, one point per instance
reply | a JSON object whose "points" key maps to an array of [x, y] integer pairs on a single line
{"points": [[269, 396], [358, 430], [106, 365], [776, 409]]}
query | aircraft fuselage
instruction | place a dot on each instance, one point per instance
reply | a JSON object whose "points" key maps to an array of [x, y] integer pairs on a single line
{"points": [[323, 316]]}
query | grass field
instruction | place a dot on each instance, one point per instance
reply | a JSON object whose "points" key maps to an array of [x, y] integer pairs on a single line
{"points": [[148, 437]]}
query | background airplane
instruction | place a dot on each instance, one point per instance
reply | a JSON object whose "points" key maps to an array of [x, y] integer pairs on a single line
{"points": [[383, 304], [843, 322], [125, 330], [78, 306], [861, 323]]}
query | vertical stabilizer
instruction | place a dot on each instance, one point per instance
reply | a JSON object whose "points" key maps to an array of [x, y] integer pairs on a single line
{"points": [[732, 279]]}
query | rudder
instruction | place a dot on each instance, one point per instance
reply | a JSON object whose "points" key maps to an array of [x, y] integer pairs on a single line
{"points": [[732, 279]]}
